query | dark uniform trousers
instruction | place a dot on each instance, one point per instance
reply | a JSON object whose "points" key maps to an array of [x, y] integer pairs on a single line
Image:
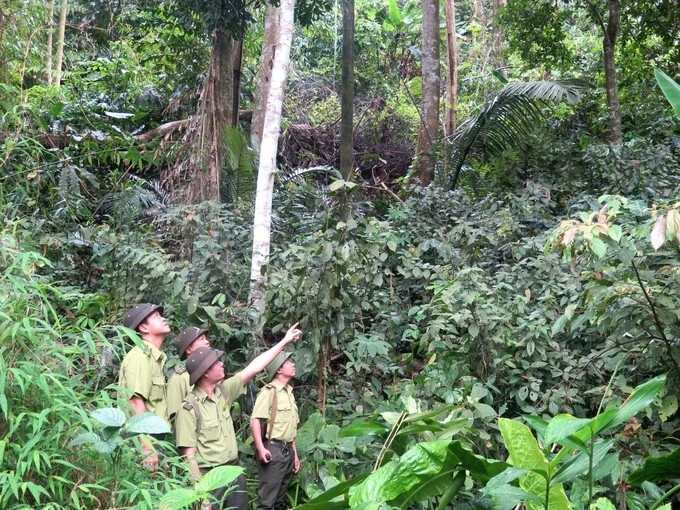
{"points": [[275, 475], [237, 499]]}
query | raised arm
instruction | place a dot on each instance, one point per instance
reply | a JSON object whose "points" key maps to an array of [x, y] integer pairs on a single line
{"points": [[259, 363]]}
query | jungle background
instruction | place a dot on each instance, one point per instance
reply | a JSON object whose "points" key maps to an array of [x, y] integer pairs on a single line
{"points": [[490, 302]]}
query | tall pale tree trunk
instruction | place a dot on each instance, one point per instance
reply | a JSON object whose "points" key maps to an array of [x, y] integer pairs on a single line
{"points": [[50, 42], [347, 106], [431, 83], [611, 33], [270, 39], [267, 167], [452, 76], [60, 42], [216, 112]]}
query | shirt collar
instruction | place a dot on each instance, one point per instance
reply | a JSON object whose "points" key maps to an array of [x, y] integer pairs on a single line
{"points": [[156, 353]]}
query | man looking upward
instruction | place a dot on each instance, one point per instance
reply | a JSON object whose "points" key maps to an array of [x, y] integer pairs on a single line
{"points": [[141, 372], [188, 341]]}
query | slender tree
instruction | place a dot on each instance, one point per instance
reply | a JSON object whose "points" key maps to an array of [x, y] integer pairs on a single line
{"points": [[431, 84], [347, 106], [268, 150], [50, 42], [60, 42], [269, 41], [452, 70]]}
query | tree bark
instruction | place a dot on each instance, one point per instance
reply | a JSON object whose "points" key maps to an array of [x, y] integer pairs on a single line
{"points": [[611, 33], [50, 42], [60, 43], [236, 66], [431, 79], [270, 39], [347, 105], [215, 111], [452, 56], [267, 167]]}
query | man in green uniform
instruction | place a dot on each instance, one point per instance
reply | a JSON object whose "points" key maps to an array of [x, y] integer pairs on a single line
{"points": [[141, 372], [204, 431], [276, 451], [188, 341]]}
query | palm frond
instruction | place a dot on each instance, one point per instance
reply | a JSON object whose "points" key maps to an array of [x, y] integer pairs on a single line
{"points": [[240, 164], [506, 120]]}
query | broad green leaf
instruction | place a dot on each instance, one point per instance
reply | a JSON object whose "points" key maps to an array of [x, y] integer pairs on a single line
{"points": [[430, 414], [394, 13], [363, 428], [421, 466], [579, 464], [338, 490], [480, 468], [641, 397], [657, 469], [109, 416], [598, 247], [370, 488], [602, 504], [670, 89], [218, 477], [147, 423], [337, 185], [562, 426], [525, 453], [177, 499], [84, 438]]}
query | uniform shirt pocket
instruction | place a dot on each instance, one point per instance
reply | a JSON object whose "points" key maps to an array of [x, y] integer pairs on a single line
{"points": [[157, 392], [210, 431]]}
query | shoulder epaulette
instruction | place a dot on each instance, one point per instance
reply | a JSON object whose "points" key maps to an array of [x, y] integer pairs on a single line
{"points": [[192, 402]]}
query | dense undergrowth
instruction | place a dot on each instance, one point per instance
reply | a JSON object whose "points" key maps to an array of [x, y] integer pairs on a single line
{"points": [[431, 318]]}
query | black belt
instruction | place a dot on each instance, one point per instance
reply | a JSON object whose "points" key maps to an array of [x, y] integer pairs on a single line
{"points": [[281, 444], [205, 469]]}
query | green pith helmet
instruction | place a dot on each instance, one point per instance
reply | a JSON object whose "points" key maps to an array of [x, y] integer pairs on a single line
{"points": [[200, 362], [138, 313], [187, 337], [276, 363]]}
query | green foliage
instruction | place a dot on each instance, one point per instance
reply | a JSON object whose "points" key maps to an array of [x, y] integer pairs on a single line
{"points": [[670, 89], [537, 32], [505, 121]]}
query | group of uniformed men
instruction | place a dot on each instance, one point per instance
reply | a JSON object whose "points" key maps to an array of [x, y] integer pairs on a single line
{"points": [[197, 401]]}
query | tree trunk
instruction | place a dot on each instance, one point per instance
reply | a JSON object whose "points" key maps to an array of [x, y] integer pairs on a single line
{"points": [[270, 39], [267, 168], [60, 42], [50, 33], [611, 33], [431, 78], [452, 56], [236, 94], [347, 106], [215, 110]]}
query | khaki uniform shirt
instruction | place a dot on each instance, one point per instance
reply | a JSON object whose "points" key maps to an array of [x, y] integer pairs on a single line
{"points": [[216, 439], [177, 390], [286, 420], [141, 374]]}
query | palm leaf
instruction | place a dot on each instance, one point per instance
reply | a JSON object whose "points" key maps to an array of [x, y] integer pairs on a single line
{"points": [[506, 120], [240, 164]]}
